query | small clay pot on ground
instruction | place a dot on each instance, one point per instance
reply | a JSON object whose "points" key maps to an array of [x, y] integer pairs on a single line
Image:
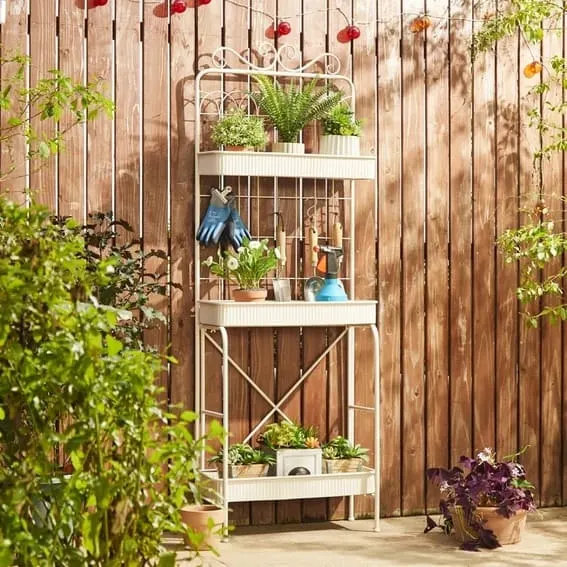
{"points": [[507, 530], [196, 516], [250, 295]]}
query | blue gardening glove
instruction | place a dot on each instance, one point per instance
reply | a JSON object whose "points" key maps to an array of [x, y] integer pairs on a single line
{"points": [[236, 229], [215, 219]]}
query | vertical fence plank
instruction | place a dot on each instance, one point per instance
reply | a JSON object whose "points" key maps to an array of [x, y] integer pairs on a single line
{"points": [[43, 57], [99, 132], [506, 274], [314, 339], [530, 339], [413, 218], [364, 230], [235, 24], [155, 167], [183, 64], [128, 64], [389, 250], [13, 40], [71, 196], [460, 343], [551, 333], [437, 246]]}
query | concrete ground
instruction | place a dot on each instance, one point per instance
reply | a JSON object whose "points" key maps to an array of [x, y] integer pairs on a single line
{"points": [[401, 542]]}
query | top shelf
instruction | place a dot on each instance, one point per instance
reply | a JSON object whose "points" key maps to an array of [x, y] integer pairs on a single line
{"points": [[272, 164]]}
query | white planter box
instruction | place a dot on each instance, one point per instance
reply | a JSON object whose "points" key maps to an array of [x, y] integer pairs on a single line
{"points": [[219, 313], [339, 145], [289, 459], [271, 164], [291, 487]]}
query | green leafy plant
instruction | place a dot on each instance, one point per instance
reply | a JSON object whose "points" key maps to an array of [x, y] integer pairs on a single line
{"points": [[341, 448], [41, 114], [128, 286], [244, 454], [239, 129], [291, 108], [287, 434], [245, 266], [341, 122], [71, 390]]}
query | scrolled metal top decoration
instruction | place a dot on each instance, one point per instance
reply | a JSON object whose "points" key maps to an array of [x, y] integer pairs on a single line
{"points": [[277, 59]]}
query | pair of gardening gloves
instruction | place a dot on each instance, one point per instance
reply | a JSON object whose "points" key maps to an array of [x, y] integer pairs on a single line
{"points": [[222, 221]]}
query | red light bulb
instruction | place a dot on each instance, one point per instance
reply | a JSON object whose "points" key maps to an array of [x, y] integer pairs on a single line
{"points": [[204, 2], [100, 2], [284, 28], [178, 7], [353, 32]]}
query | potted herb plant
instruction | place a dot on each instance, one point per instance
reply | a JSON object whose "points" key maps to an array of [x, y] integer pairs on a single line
{"points": [[291, 108], [244, 461], [485, 501], [341, 132], [296, 448], [341, 456], [246, 266], [237, 131]]}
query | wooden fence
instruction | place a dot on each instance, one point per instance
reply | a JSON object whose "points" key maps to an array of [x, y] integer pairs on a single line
{"points": [[459, 370]]}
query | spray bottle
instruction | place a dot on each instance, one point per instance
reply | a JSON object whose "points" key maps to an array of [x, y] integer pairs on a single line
{"points": [[332, 289]]}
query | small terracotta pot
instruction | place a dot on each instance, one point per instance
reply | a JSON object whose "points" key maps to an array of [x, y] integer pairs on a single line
{"points": [[506, 530], [250, 295], [196, 516], [237, 148]]}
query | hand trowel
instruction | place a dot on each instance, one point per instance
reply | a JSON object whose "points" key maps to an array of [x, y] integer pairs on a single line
{"points": [[282, 287]]}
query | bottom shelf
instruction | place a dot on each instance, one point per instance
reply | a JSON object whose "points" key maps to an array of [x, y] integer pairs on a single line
{"points": [[291, 487]]}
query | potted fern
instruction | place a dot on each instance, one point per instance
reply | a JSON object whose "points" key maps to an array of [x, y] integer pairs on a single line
{"points": [[291, 108], [341, 132], [237, 132]]}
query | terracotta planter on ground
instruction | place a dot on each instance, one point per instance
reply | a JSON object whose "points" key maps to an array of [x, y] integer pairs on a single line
{"points": [[506, 530], [245, 471], [332, 466], [249, 295], [196, 516]]}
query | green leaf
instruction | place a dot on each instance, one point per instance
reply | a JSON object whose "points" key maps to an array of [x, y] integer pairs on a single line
{"points": [[2, 414], [167, 559], [43, 149], [6, 557], [113, 346], [91, 527], [188, 416]]}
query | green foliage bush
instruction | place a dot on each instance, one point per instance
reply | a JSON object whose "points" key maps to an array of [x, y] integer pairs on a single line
{"points": [[341, 122], [70, 387], [238, 129]]}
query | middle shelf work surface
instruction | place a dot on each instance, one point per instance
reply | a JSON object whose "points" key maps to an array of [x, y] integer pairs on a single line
{"points": [[221, 313]]}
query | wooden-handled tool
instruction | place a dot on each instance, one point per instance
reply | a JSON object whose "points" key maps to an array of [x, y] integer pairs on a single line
{"points": [[281, 239], [337, 233]]}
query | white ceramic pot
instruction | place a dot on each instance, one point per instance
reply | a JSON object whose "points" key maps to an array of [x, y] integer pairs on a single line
{"points": [[339, 145], [288, 148]]}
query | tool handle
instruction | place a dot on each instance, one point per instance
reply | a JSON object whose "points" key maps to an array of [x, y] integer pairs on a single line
{"points": [[281, 243], [337, 235], [314, 245]]}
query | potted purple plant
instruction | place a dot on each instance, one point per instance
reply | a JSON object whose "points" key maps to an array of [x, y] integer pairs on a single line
{"points": [[484, 502]]}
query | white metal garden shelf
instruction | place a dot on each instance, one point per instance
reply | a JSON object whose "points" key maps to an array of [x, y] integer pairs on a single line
{"points": [[214, 318], [291, 487], [268, 164], [287, 313]]}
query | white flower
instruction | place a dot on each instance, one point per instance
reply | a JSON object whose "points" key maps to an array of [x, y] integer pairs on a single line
{"points": [[209, 261], [277, 253], [240, 249], [254, 245], [444, 486], [232, 263], [486, 455], [110, 269]]}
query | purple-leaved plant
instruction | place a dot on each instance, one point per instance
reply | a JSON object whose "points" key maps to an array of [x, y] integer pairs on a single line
{"points": [[478, 482]]}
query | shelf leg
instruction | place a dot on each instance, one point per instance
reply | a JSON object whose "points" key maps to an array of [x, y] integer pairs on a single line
{"points": [[350, 404], [377, 440], [225, 424], [200, 393]]}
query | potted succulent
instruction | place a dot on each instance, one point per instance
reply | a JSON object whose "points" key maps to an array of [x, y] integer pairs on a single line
{"points": [[485, 501], [246, 266], [290, 109], [341, 456], [237, 131], [341, 132], [297, 449], [244, 461]]}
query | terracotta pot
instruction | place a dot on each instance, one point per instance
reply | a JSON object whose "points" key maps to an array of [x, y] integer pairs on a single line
{"points": [[506, 530], [245, 471], [197, 516], [250, 295], [332, 466], [237, 149]]}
